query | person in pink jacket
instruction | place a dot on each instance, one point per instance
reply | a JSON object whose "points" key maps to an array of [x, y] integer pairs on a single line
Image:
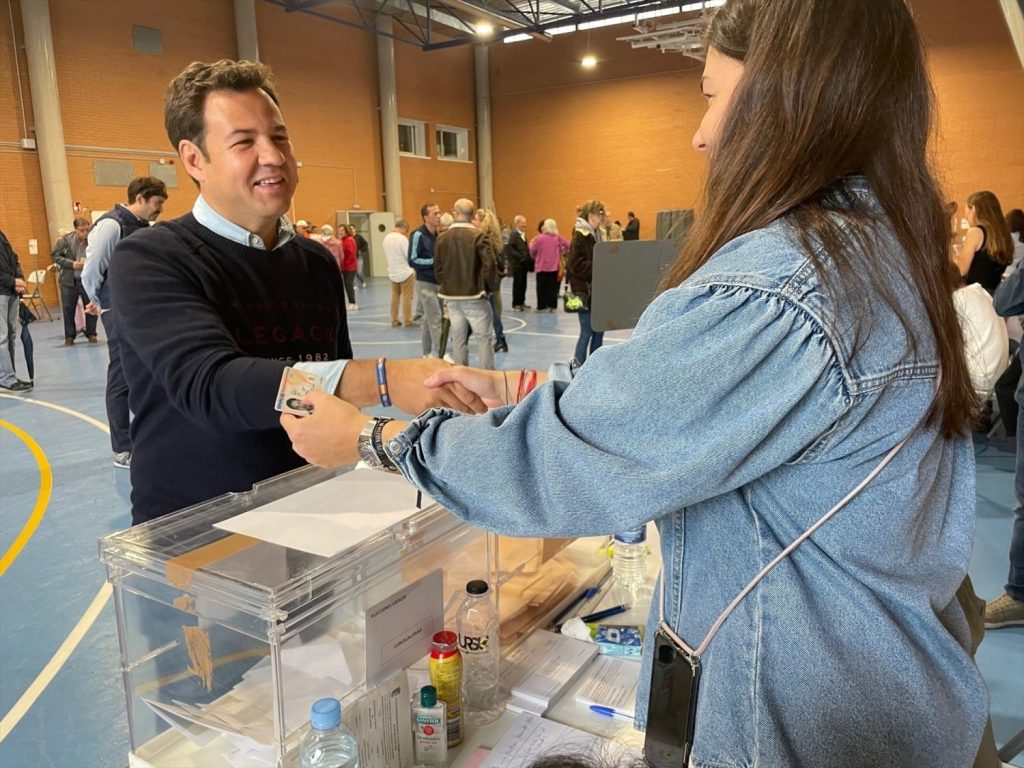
{"points": [[547, 250]]}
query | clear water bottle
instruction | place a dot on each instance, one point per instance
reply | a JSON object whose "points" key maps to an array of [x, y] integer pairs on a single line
{"points": [[328, 744], [629, 558], [477, 625]]}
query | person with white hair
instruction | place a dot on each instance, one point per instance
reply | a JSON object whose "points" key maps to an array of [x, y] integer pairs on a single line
{"points": [[547, 250], [332, 244]]}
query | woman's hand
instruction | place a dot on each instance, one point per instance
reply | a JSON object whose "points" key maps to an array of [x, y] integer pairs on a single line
{"points": [[329, 436]]}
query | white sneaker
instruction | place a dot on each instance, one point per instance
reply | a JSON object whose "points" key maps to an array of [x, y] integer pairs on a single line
{"points": [[353, 307], [448, 359], [123, 459]]}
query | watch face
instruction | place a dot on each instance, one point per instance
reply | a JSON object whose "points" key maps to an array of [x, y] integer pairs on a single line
{"points": [[366, 452]]}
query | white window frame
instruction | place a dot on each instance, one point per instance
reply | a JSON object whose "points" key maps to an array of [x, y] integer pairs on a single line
{"points": [[419, 137], [461, 141]]}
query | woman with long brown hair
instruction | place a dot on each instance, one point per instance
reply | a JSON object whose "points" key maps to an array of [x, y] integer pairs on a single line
{"points": [[793, 411], [987, 248]]}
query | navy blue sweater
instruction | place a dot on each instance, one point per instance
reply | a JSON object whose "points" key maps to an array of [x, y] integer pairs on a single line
{"points": [[207, 326]]}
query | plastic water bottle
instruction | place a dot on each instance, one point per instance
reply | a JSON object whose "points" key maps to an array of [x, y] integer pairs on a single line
{"points": [[477, 624], [328, 744], [629, 558]]}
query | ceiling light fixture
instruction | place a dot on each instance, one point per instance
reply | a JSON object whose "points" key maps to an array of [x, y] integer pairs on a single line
{"points": [[484, 29], [589, 61]]}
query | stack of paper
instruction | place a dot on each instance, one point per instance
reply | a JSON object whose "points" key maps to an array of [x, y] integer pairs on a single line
{"points": [[611, 682], [537, 671]]}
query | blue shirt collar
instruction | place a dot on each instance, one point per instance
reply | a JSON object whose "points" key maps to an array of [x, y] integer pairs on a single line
{"points": [[216, 223]]}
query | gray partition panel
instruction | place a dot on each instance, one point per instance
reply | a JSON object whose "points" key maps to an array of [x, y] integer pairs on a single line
{"points": [[626, 277]]}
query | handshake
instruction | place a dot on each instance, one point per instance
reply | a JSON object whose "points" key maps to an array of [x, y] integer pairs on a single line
{"points": [[328, 436]]}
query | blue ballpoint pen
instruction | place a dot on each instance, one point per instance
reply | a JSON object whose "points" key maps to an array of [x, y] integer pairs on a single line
{"points": [[609, 712], [607, 612], [586, 594]]}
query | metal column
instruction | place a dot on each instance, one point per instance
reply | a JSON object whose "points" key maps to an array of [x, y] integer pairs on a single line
{"points": [[389, 116], [49, 126], [245, 30], [484, 165]]}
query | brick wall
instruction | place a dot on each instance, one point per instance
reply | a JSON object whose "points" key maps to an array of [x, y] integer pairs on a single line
{"points": [[561, 134]]}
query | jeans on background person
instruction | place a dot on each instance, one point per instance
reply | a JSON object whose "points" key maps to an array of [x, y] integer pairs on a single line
{"points": [[590, 340], [25, 317], [9, 304], [1006, 385], [1015, 582], [69, 296], [359, 271], [117, 388], [430, 306], [478, 315], [499, 327]]}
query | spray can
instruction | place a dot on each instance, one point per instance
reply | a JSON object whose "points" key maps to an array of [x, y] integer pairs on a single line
{"points": [[446, 677]]}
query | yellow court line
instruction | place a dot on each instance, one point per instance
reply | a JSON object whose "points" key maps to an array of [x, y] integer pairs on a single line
{"points": [[42, 500], [44, 678]]}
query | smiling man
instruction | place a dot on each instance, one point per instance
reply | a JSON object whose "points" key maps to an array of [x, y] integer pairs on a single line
{"points": [[215, 304]]}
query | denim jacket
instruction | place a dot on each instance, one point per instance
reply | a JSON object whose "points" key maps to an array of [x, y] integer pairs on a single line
{"points": [[734, 417]]}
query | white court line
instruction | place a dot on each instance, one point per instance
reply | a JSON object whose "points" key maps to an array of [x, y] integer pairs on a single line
{"points": [[44, 678], [53, 666]]}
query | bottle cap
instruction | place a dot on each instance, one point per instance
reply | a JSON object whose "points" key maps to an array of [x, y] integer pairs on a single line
{"points": [[477, 587], [635, 536], [446, 641], [325, 714], [428, 696]]}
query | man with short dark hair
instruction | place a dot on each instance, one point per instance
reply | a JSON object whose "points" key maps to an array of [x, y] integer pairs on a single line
{"points": [[465, 268], [146, 198], [215, 304], [70, 255], [632, 230], [421, 258]]}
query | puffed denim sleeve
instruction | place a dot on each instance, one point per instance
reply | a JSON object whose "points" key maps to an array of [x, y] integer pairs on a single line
{"points": [[718, 385]]}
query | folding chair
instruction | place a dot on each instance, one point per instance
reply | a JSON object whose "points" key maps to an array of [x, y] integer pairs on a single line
{"points": [[33, 297]]}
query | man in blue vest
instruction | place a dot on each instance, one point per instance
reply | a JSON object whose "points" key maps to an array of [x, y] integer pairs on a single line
{"points": [[146, 198]]}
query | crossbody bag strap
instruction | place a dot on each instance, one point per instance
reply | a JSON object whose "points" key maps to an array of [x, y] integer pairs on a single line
{"points": [[696, 653]]}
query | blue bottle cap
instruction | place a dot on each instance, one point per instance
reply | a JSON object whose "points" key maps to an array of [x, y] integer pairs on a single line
{"points": [[428, 696], [325, 714], [635, 536]]}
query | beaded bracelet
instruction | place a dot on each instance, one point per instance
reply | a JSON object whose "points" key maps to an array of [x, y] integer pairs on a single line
{"points": [[382, 382]]}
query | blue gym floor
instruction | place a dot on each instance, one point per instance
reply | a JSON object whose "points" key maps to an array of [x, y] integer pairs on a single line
{"points": [[61, 699]]}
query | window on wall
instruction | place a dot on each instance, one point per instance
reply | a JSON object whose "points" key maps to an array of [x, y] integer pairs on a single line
{"points": [[412, 138], [452, 143]]}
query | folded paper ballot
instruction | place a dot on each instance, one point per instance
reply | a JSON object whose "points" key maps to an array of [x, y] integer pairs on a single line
{"points": [[542, 666]]}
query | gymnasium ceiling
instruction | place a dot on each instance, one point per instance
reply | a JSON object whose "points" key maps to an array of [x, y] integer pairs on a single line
{"points": [[436, 24]]}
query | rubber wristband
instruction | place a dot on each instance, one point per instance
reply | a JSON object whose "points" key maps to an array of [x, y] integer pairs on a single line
{"points": [[531, 382], [519, 388], [382, 382]]}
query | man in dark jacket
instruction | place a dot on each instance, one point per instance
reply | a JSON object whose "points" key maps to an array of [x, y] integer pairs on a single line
{"points": [[69, 255], [632, 230], [517, 254], [12, 287], [465, 267]]}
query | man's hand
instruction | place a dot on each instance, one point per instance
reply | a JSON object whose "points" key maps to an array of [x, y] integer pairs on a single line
{"points": [[20, 286], [92, 308], [79, 263], [488, 386], [406, 380], [329, 436]]}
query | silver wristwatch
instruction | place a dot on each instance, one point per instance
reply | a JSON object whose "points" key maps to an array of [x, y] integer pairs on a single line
{"points": [[371, 446]]}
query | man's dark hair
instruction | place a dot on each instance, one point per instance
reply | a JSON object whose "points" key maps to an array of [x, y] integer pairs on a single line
{"points": [[186, 95], [80, 222], [147, 186], [426, 207], [631, 214]]}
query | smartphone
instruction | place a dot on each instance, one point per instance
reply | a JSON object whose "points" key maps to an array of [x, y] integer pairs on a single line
{"points": [[672, 706]]}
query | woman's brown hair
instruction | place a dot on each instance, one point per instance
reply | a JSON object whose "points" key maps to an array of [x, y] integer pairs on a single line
{"points": [[832, 89], [989, 214]]}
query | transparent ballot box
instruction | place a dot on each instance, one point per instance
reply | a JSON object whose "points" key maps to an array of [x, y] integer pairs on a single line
{"points": [[227, 639], [235, 615]]}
